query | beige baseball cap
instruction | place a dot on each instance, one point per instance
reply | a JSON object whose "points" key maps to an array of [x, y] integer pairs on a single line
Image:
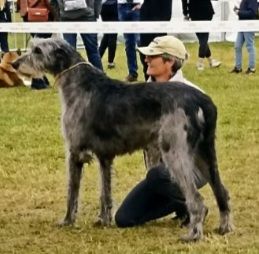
{"points": [[165, 44]]}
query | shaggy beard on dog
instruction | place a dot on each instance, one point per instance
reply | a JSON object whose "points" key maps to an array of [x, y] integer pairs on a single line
{"points": [[108, 117]]}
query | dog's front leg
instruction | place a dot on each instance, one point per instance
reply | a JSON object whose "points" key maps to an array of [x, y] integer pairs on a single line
{"points": [[74, 177], [105, 216]]}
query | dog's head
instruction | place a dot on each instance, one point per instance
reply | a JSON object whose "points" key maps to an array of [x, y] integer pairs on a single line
{"points": [[7, 59], [51, 55]]}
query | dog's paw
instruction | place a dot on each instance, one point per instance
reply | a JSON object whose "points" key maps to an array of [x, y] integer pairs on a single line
{"points": [[226, 228], [65, 223], [226, 225], [102, 223], [195, 234]]}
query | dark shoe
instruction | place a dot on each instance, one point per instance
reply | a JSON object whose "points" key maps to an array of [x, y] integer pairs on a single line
{"points": [[38, 84], [250, 71], [236, 70], [111, 65], [46, 80], [131, 78]]}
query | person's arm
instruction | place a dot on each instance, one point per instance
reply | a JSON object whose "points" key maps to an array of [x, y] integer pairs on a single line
{"points": [[250, 12], [97, 8]]}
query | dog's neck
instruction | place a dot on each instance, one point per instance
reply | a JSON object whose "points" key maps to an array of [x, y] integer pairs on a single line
{"points": [[58, 76]]}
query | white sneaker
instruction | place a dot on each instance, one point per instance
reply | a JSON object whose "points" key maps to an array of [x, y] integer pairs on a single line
{"points": [[200, 66], [215, 63]]}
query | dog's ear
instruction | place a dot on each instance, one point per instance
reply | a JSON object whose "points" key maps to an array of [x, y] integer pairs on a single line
{"points": [[19, 52]]}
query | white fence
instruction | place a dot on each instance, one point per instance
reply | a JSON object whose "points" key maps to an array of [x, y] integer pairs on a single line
{"points": [[223, 26]]}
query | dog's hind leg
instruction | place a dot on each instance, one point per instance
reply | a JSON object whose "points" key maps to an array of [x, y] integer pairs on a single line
{"points": [[105, 216], [74, 174], [207, 151], [177, 156]]}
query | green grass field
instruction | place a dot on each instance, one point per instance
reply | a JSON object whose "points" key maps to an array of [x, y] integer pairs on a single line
{"points": [[33, 176]]}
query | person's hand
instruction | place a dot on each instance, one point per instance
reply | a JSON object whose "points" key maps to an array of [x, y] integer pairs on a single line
{"points": [[236, 9], [186, 18], [136, 7]]}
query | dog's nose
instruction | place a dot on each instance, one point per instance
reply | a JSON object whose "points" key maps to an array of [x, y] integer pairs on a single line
{"points": [[15, 64]]}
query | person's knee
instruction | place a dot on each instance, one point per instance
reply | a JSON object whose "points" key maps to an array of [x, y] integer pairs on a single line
{"points": [[122, 220], [157, 172]]}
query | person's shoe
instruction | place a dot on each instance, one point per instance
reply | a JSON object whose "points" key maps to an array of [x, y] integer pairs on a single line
{"points": [[111, 65], [131, 78], [214, 63], [200, 66], [236, 70], [250, 71], [38, 84]]}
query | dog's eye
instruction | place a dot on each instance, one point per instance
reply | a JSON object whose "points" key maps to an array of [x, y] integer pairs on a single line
{"points": [[37, 50]]}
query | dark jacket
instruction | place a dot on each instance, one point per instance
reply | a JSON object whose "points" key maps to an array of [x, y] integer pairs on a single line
{"points": [[198, 9], [247, 9], [5, 14], [156, 10]]}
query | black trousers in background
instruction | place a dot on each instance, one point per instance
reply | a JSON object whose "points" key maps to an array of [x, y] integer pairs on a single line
{"points": [[154, 197], [109, 13], [204, 49]]}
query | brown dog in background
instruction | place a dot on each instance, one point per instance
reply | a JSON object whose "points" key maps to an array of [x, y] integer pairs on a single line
{"points": [[8, 75]]}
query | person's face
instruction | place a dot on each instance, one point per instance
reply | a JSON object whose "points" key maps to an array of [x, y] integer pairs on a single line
{"points": [[158, 67]]}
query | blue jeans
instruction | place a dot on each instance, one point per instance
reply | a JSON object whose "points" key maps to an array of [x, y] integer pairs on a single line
{"points": [[91, 47], [125, 13], [248, 38]]}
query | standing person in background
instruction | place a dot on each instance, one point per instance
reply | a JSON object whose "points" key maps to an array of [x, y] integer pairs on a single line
{"points": [[5, 16], [153, 10], [201, 10], [109, 12], [247, 9], [129, 10], [22, 7], [82, 10]]}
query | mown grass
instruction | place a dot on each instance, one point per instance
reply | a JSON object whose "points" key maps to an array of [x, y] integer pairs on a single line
{"points": [[33, 176]]}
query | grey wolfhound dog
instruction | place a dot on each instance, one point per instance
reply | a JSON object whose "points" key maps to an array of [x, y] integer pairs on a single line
{"points": [[106, 117]]}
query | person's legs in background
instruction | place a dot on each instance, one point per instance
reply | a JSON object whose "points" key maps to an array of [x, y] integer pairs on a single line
{"points": [[91, 46], [238, 52], [126, 13], [205, 52], [112, 46], [103, 44], [71, 39], [249, 39], [109, 13], [4, 42]]}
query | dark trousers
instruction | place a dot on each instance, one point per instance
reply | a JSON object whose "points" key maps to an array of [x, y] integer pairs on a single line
{"points": [[125, 13], [154, 197], [4, 42], [91, 47], [204, 49], [109, 13]]}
